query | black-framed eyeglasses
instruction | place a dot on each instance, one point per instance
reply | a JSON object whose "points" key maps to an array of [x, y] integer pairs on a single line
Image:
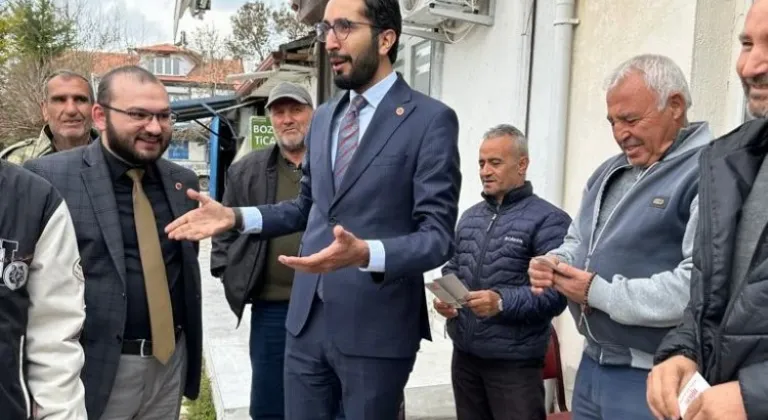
{"points": [[341, 28], [144, 116]]}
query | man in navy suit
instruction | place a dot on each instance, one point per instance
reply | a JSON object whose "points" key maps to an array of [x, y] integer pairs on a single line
{"points": [[378, 198]]}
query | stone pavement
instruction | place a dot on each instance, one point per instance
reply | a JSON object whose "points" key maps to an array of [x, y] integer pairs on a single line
{"points": [[428, 392]]}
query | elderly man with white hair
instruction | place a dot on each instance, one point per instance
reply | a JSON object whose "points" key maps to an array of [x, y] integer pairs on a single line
{"points": [[625, 264]]}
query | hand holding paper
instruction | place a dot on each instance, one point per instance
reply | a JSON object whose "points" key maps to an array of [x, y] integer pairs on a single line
{"points": [[449, 289], [695, 386]]}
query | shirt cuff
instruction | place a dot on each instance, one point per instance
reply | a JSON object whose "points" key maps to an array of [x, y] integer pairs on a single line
{"points": [[252, 220], [599, 294], [376, 257]]}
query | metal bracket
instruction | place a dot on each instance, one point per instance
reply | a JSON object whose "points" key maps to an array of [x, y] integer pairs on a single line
{"points": [[471, 17], [430, 34], [572, 21], [221, 117], [485, 20]]}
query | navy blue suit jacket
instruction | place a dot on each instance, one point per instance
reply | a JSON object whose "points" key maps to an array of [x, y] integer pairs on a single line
{"points": [[402, 187]]}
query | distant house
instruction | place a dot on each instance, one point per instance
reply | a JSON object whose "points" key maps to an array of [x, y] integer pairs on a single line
{"points": [[184, 72]]}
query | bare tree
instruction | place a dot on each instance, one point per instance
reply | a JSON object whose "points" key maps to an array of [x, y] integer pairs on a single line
{"points": [[288, 26], [210, 47], [252, 34], [102, 26]]}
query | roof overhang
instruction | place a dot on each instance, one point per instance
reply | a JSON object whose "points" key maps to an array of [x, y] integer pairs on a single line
{"points": [[293, 62], [268, 81]]}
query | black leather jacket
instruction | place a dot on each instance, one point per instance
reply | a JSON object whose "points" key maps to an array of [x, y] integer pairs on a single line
{"points": [[237, 259]]}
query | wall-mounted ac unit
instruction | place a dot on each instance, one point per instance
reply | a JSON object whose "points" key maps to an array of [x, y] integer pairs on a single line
{"points": [[431, 19], [422, 12]]}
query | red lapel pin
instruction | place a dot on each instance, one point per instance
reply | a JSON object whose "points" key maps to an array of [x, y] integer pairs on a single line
{"points": [[400, 110], [178, 186]]}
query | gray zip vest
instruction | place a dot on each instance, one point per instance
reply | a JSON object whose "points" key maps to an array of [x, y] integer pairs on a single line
{"points": [[641, 237]]}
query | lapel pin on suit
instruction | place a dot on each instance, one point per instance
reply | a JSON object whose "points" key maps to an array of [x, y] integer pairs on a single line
{"points": [[400, 111], [178, 186]]}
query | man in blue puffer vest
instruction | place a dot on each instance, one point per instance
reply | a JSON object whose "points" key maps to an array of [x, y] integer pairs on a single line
{"points": [[501, 335]]}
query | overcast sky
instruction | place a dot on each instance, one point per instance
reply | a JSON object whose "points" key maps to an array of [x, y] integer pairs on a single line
{"points": [[155, 17]]}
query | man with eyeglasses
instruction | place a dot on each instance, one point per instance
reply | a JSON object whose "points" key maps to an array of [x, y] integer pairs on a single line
{"points": [[379, 200], [142, 335]]}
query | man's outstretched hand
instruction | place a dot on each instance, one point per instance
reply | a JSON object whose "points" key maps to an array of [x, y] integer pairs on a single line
{"points": [[345, 251], [211, 218]]}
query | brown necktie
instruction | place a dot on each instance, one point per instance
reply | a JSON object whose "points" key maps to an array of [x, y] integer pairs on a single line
{"points": [[155, 280]]}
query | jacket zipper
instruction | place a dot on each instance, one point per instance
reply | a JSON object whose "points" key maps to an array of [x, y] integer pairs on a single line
{"points": [[486, 240], [706, 268], [22, 380], [481, 258], [593, 241]]}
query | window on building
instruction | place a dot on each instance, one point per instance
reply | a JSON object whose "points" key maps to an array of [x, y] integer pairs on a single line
{"points": [[415, 63], [400, 63], [166, 66], [421, 66], [178, 150]]}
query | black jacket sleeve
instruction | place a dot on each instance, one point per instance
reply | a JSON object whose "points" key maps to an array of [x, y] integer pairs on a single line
{"points": [[220, 243]]}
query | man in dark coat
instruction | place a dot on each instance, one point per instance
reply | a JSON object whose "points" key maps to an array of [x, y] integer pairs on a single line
{"points": [[723, 332]]}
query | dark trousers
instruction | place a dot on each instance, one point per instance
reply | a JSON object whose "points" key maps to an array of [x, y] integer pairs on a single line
{"points": [[267, 349], [609, 392], [486, 389], [318, 374]]}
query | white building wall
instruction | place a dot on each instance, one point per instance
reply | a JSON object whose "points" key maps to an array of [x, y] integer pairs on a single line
{"points": [[485, 78]]}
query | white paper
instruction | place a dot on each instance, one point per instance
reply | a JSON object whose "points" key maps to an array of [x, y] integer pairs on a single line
{"points": [[695, 386], [449, 289]]}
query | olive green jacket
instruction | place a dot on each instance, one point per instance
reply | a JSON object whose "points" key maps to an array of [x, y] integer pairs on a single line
{"points": [[33, 148]]}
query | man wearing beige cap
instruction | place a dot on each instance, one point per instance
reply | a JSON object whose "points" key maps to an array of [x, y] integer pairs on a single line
{"points": [[247, 265]]}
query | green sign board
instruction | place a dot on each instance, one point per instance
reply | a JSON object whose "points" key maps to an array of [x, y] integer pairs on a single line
{"points": [[261, 134]]}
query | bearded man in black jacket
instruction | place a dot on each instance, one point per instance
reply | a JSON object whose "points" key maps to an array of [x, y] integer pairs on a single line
{"points": [[724, 329]]}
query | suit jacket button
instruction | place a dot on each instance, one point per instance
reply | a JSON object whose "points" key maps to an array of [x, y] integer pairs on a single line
{"points": [[332, 221]]}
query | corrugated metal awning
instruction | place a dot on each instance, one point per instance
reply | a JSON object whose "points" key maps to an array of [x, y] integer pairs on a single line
{"points": [[193, 109]]}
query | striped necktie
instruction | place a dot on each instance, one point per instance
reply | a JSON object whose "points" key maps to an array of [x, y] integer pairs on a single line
{"points": [[349, 136]]}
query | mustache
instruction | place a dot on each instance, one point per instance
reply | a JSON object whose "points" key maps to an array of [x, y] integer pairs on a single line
{"points": [[631, 142], [759, 80], [149, 136], [335, 55]]}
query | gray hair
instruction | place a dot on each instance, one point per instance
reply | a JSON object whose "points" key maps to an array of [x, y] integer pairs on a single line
{"points": [[66, 74], [502, 130], [660, 73]]}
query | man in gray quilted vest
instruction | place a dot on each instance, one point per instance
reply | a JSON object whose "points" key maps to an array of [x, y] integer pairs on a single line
{"points": [[625, 264]]}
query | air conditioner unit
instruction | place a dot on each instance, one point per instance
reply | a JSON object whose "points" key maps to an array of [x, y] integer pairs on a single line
{"points": [[431, 13]]}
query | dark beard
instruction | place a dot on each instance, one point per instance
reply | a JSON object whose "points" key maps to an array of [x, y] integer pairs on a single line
{"points": [[363, 70], [122, 147]]}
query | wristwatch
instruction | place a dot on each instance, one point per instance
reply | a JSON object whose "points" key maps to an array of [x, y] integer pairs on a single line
{"points": [[238, 218], [501, 305]]}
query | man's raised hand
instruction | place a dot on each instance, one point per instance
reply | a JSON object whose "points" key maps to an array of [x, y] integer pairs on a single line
{"points": [[209, 219], [346, 250]]}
